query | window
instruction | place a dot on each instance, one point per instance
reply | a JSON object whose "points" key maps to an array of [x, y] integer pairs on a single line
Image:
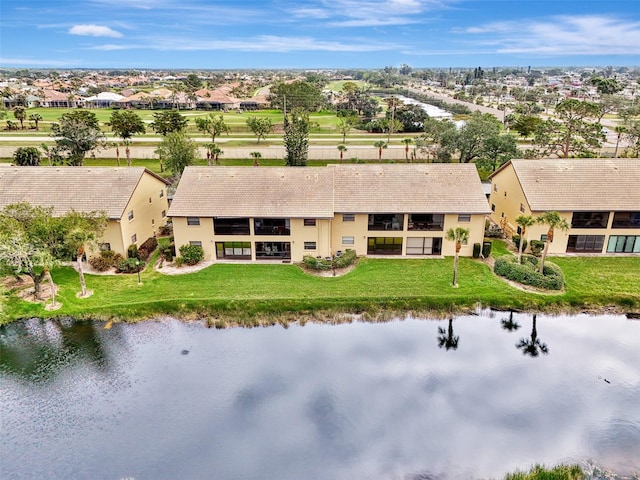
{"points": [[521, 208], [309, 245], [153, 222], [505, 194], [385, 221], [193, 220], [309, 222], [134, 238], [150, 201], [348, 217], [161, 194], [348, 240], [424, 246], [104, 246], [164, 213], [426, 221], [589, 219], [624, 244], [585, 243], [464, 217], [273, 251], [543, 238], [493, 207], [195, 243], [384, 246], [495, 187], [231, 226], [626, 220], [272, 226], [130, 215], [233, 250]]}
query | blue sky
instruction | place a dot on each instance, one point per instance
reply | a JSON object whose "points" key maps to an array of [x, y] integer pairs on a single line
{"points": [[226, 34]]}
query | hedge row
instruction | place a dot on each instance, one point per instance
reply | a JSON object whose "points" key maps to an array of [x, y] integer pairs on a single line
{"points": [[527, 273]]}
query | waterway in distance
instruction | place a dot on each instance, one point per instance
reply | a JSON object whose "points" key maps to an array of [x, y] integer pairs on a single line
{"points": [[475, 396]]}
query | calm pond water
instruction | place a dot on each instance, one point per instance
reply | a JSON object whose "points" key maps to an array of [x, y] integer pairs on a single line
{"points": [[408, 399]]}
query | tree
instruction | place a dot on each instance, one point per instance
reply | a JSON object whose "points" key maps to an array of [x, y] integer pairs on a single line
{"points": [[497, 150], [380, 145], [392, 105], [510, 324], [411, 118], [469, 140], [573, 134], [192, 82], [35, 118], [407, 142], [430, 142], [620, 130], [168, 121], [459, 235], [554, 221], [77, 133], [125, 124], [344, 126], [176, 151], [27, 156], [532, 346], [214, 152], [523, 221], [256, 158], [81, 231], [446, 338], [526, 125], [260, 127], [342, 149], [298, 95], [20, 114], [296, 138], [606, 86], [48, 152], [212, 124], [632, 135]]}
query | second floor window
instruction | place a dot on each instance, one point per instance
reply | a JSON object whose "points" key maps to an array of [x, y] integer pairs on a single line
{"points": [[130, 215], [193, 220]]}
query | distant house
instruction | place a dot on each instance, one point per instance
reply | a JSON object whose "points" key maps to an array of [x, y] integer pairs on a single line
{"points": [[285, 213], [598, 197], [103, 100], [134, 198]]}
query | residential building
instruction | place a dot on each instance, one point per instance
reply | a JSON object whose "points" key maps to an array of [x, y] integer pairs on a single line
{"points": [[133, 198], [598, 197], [285, 213]]}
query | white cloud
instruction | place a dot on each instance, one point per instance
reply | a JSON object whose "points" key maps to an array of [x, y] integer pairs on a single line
{"points": [[37, 62], [94, 31], [561, 35]]}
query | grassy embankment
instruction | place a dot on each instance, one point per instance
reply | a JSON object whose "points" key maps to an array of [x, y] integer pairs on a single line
{"points": [[252, 294]]}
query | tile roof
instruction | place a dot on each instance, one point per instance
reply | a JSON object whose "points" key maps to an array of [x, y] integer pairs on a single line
{"points": [[255, 191], [320, 192], [580, 183], [83, 189]]}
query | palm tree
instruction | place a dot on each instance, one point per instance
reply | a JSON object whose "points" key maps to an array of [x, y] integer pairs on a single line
{"points": [[553, 220], [35, 118], [446, 338], [214, 152], [392, 104], [532, 346], [523, 221], [407, 142], [620, 130], [256, 157], [459, 235], [48, 151], [342, 149], [20, 113], [380, 144]]}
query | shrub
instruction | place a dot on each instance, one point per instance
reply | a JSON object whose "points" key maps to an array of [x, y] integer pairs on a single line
{"points": [[168, 251], [132, 251], [476, 250], [536, 247], [527, 273], [166, 230], [106, 260], [314, 263], [130, 265], [486, 249], [516, 241], [191, 254], [147, 248], [178, 261], [347, 258]]}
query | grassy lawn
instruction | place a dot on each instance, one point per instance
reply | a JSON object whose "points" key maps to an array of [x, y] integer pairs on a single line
{"points": [[249, 292]]}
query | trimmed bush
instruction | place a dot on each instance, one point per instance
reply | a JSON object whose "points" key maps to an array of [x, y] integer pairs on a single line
{"points": [[106, 260], [168, 251], [347, 258], [536, 247], [476, 250], [147, 248], [130, 265], [191, 254], [527, 273], [486, 249], [132, 251], [516, 241], [313, 263]]}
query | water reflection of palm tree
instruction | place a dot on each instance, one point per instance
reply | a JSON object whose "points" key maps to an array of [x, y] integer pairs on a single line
{"points": [[532, 346], [510, 324], [446, 338]]}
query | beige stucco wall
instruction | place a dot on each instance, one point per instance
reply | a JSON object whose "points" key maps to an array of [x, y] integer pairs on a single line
{"points": [[328, 235], [508, 207], [147, 206]]}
